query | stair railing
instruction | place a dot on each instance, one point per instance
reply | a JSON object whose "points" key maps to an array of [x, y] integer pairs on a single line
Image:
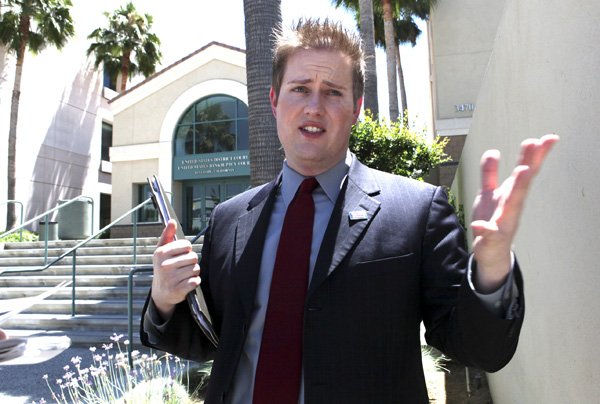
{"points": [[21, 216], [73, 250], [46, 216]]}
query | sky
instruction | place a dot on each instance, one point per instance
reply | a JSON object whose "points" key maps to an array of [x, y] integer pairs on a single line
{"points": [[187, 25]]}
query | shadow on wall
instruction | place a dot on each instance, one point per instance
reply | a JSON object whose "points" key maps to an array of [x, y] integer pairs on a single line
{"points": [[4, 61], [63, 161], [5, 97]]}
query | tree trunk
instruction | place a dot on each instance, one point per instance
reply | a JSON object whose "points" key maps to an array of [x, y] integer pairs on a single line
{"points": [[261, 17], [11, 177], [402, 87], [390, 54], [125, 61], [367, 35]]}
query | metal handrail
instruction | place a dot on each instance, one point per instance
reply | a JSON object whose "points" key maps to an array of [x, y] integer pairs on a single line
{"points": [[20, 221], [46, 216], [132, 272], [73, 251]]}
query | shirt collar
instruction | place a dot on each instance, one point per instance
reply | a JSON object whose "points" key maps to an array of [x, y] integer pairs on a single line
{"points": [[330, 181]]}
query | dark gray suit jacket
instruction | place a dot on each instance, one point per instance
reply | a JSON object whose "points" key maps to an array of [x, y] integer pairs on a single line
{"points": [[374, 281]]}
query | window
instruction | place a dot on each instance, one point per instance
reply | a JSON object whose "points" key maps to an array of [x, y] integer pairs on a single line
{"points": [[109, 81], [107, 134], [146, 213], [214, 124]]}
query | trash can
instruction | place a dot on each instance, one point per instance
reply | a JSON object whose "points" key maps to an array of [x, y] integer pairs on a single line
{"points": [[75, 220], [52, 231]]}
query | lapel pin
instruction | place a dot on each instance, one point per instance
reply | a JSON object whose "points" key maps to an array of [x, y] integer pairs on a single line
{"points": [[358, 215]]}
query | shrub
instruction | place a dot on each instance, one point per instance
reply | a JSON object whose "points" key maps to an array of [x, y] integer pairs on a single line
{"points": [[396, 148], [15, 237]]}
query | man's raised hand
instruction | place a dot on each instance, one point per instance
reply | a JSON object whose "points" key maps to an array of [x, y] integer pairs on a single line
{"points": [[497, 209]]}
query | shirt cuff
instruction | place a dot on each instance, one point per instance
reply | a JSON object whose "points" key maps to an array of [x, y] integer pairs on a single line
{"points": [[501, 301]]}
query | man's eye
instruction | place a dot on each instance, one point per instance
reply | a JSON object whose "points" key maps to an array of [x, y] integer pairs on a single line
{"points": [[300, 90], [335, 92]]}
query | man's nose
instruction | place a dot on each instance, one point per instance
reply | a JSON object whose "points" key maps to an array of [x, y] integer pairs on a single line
{"points": [[314, 104]]}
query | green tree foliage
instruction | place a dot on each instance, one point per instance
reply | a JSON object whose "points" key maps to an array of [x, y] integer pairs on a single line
{"points": [[28, 25], [395, 148], [126, 45]]}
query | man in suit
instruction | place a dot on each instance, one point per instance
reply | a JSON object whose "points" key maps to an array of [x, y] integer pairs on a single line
{"points": [[385, 253]]}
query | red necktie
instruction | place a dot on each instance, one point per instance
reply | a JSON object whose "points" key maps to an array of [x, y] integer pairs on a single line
{"points": [[279, 368]]}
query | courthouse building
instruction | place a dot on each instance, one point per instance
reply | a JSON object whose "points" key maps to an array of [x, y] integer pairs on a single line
{"points": [[188, 125]]}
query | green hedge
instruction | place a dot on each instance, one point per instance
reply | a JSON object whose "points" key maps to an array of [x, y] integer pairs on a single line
{"points": [[395, 148]]}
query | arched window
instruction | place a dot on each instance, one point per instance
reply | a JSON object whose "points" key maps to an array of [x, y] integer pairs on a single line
{"points": [[214, 124]]}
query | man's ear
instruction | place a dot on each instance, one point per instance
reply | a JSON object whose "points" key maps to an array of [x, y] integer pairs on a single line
{"points": [[273, 98], [357, 108]]}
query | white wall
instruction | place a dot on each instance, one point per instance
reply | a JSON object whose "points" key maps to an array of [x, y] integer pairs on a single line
{"points": [[60, 117], [544, 77]]}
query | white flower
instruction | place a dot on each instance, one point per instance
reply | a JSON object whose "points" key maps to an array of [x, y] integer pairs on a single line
{"points": [[116, 337]]}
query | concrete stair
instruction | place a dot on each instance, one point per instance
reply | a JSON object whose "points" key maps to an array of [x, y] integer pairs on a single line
{"points": [[102, 272]]}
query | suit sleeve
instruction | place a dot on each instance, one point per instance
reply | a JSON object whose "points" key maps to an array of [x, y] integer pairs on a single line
{"points": [[180, 335], [456, 320]]}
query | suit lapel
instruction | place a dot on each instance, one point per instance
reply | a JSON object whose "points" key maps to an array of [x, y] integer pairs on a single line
{"points": [[250, 236], [355, 209]]}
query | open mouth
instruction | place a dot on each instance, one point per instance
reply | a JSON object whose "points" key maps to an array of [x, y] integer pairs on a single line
{"points": [[312, 129]]}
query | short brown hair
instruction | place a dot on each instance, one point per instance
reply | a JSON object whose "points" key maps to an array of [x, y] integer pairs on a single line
{"points": [[314, 34]]}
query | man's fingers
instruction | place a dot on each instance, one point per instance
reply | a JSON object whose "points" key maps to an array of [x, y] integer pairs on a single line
{"points": [[546, 144], [489, 170], [183, 260], [168, 233], [534, 151]]}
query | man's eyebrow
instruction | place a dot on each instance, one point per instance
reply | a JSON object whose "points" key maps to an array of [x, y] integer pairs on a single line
{"points": [[306, 81]]}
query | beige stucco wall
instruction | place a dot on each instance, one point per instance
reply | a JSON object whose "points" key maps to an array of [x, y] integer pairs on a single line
{"points": [[134, 172], [543, 77], [141, 122], [462, 34]]}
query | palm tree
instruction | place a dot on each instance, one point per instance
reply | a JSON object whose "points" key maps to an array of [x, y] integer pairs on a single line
{"points": [[404, 30], [261, 18], [390, 56], [364, 15], [33, 25], [126, 47]]}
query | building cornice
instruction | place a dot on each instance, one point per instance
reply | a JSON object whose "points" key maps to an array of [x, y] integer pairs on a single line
{"points": [[210, 52]]}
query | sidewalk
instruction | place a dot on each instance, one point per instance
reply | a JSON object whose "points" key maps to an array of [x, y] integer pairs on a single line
{"points": [[22, 379]]}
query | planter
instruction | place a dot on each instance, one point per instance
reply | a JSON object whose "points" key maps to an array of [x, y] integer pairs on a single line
{"points": [[52, 231]]}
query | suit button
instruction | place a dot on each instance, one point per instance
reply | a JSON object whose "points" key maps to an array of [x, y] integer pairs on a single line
{"points": [[314, 309]]}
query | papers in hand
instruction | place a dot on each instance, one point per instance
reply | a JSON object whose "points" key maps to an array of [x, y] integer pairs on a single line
{"points": [[195, 298]]}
